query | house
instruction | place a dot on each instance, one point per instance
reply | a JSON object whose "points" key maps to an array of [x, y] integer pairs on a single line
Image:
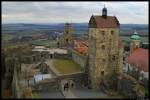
{"points": [[137, 65]]}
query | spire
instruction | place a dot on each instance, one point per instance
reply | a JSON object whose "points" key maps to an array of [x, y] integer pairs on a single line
{"points": [[104, 12], [135, 32]]}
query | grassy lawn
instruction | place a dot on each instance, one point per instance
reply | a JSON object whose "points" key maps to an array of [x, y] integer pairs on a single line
{"points": [[47, 43], [66, 66]]}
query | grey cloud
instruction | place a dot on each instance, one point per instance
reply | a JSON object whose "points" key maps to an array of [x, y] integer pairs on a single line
{"points": [[75, 11]]}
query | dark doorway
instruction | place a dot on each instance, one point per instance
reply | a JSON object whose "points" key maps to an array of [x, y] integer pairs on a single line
{"points": [[67, 40], [51, 55]]}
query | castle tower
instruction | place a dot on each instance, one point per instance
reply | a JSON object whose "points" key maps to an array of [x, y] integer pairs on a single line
{"points": [[103, 48], [67, 35], [134, 41]]}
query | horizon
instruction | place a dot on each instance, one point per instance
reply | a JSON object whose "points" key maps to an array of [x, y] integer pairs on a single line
{"points": [[73, 12], [72, 23]]}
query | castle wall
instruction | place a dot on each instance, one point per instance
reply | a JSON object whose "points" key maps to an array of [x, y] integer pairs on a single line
{"points": [[79, 58]]}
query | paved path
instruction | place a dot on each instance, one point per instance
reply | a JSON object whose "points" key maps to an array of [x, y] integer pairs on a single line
{"points": [[50, 94], [68, 94], [85, 93]]}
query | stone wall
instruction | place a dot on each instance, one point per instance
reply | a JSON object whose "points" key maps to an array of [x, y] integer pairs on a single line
{"points": [[103, 54], [62, 56], [127, 85], [79, 58]]}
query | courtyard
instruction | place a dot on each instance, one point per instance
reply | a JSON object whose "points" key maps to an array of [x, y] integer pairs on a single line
{"points": [[66, 66]]}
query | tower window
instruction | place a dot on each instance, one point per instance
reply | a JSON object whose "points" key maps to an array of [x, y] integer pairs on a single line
{"points": [[112, 32], [103, 33], [102, 72], [103, 60], [67, 32], [103, 47], [113, 58]]}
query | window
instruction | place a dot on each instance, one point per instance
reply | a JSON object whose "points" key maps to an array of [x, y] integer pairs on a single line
{"points": [[103, 33], [113, 58], [112, 32], [67, 40], [103, 47], [67, 32], [103, 60], [102, 72]]}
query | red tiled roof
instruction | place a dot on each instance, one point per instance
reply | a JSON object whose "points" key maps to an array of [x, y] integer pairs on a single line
{"points": [[108, 22], [139, 58], [81, 47]]}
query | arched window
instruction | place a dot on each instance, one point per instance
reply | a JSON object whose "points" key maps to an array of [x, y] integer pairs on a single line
{"points": [[103, 47]]}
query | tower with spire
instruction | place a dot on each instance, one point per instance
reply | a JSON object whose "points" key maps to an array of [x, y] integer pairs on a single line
{"points": [[103, 49], [135, 41]]}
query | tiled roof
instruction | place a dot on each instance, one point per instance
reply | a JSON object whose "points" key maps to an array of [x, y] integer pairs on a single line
{"points": [[108, 22], [139, 58], [81, 47]]}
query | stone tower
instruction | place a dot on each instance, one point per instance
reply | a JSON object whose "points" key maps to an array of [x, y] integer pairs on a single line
{"points": [[134, 42], [103, 48], [67, 35]]}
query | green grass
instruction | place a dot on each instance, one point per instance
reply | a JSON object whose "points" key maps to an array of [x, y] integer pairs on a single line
{"points": [[6, 37], [47, 43], [66, 66]]}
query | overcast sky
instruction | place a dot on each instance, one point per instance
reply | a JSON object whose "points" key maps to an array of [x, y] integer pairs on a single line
{"points": [[75, 12]]}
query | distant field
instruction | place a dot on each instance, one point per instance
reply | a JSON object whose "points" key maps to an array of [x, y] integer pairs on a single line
{"points": [[6, 37], [48, 43], [66, 66]]}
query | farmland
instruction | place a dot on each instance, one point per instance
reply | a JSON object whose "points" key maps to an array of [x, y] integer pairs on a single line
{"points": [[47, 43]]}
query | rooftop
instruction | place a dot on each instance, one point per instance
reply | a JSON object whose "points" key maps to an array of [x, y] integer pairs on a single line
{"points": [[101, 22], [81, 47], [40, 77], [139, 58], [135, 36]]}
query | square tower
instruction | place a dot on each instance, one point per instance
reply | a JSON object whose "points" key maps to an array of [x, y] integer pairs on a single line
{"points": [[67, 35], [103, 48]]}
